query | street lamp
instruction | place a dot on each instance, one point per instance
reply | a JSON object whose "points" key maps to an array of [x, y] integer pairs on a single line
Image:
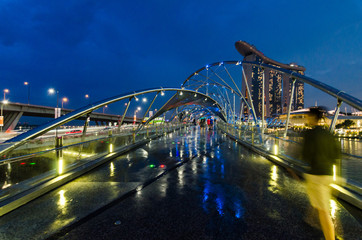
{"points": [[87, 97], [135, 115], [144, 99], [52, 91], [27, 84], [64, 99], [106, 106], [5, 92]]}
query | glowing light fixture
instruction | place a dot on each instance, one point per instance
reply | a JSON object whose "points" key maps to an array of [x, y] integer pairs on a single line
{"points": [[51, 90]]}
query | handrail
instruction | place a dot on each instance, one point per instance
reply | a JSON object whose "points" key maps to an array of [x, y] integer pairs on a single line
{"points": [[27, 156]]}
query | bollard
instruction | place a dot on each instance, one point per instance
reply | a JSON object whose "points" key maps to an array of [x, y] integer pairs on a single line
{"points": [[59, 154], [59, 144]]}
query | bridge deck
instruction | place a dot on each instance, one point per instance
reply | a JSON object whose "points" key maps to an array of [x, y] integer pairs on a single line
{"points": [[212, 189]]}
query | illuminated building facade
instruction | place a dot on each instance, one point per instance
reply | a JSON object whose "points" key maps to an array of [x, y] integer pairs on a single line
{"points": [[277, 86]]}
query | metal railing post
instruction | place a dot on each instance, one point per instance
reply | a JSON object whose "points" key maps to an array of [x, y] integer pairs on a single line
{"points": [[334, 120], [289, 107]]}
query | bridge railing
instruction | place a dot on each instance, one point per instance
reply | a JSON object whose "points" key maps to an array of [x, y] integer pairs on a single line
{"points": [[43, 159], [288, 150]]}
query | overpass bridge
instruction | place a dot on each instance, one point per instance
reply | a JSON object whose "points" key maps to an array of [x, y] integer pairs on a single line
{"points": [[146, 181], [14, 111]]}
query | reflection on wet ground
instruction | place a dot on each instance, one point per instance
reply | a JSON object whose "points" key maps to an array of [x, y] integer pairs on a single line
{"points": [[219, 190], [224, 192]]}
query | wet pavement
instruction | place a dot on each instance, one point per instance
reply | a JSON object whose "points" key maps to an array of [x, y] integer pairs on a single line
{"points": [[198, 186]]}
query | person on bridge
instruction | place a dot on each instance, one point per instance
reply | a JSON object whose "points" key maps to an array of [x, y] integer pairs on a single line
{"points": [[321, 150]]}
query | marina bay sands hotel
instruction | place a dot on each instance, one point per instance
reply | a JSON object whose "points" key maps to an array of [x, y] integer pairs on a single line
{"points": [[277, 86]]}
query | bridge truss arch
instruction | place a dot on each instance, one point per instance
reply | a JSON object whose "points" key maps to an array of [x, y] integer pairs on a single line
{"points": [[180, 97]]}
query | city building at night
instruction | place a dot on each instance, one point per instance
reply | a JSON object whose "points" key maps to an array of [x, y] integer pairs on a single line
{"points": [[277, 86]]}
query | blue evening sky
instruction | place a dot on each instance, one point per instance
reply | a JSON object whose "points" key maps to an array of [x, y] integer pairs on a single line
{"points": [[105, 48]]}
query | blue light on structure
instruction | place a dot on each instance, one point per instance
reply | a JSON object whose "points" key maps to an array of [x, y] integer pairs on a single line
{"points": [[220, 205], [207, 66], [239, 210]]}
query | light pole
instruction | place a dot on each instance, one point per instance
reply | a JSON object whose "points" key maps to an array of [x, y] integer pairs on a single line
{"points": [[4, 102], [64, 100], [106, 106], [87, 97], [5, 92], [51, 91], [27, 84], [135, 115]]}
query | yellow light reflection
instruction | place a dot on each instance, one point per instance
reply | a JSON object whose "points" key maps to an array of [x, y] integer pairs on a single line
{"points": [[334, 208], [273, 179], [76, 153], [60, 166], [274, 174], [110, 147], [62, 200], [276, 149], [334, 173], [112, 169]]}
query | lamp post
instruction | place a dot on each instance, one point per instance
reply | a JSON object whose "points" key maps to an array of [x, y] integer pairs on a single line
{"points": [[87, 97], [135, 115], [5, 92], [105, 107], [51, 91], [27, 84], [64, 100]]}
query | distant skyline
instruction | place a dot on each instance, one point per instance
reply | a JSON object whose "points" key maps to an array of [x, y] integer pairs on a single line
{"points": [[105, 48]]}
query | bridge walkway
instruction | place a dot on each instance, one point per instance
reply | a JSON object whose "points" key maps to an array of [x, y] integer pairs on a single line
{"points": [[194, 185]]}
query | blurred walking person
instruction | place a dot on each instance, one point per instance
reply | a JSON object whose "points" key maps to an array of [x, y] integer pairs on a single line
{"points": [[321, 150]]}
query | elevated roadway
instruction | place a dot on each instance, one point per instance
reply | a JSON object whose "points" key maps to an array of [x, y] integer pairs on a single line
{"points": [[14, 111]]}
